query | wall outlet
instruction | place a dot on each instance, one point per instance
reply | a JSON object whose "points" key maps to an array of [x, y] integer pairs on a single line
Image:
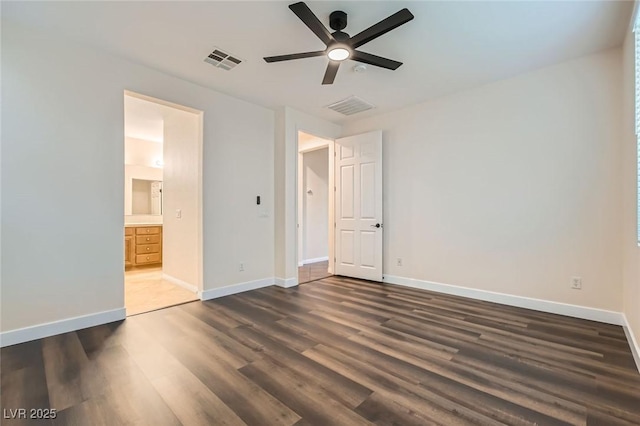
{"points": [[241, 267], [399, 261], [576, 283], [178, 213]]}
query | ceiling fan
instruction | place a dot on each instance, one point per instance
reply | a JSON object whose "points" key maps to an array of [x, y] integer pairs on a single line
{"points": [[340, 45]]}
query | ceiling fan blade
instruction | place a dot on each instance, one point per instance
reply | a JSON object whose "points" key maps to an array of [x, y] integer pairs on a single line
{"points": [[330, 73], [306, 15], [378, 61], [382, 27], [294, 56]]}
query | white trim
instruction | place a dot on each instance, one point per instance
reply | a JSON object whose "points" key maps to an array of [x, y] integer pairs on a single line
{"points": [[286, 282], [187, 286], [315, 260], [21, 335], [576, 311], [300, 264], [633, 343], [634, 17], [228, 290]]}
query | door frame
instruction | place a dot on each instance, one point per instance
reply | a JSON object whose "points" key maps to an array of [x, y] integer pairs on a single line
{"points": [[199, 249], [330, 145]]}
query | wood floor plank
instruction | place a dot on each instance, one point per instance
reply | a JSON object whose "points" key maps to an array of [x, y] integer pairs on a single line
{"points": [[307, 399], [381, 410], [209, 314], [392, 387], [250, 402], [71, 377], [15, 357], [250, 311], [209, 339], [333, 351], [24, 388], [340, 388], [193, 402], [188, 398], [136, 402], [313, 271]]}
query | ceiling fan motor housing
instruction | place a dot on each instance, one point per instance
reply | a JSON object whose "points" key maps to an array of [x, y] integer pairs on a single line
{"points": [[338, 20]]}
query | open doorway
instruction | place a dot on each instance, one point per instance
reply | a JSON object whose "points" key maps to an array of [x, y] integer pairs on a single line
{"points": [[315, 207], [162, 205]]}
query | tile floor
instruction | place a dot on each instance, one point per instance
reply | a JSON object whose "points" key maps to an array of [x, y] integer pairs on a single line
{"points": [[145, 290]]}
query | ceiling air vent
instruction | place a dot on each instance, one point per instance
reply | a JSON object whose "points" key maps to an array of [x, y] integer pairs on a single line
{"points": [[351, 105], [221, 59]]}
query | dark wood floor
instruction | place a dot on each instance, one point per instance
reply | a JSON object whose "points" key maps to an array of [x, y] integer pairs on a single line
{"points": [[313, 272], [332, 352]]}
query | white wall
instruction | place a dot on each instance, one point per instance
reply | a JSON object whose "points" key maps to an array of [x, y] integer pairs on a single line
{"points": [[142, 152], [288, 123], [62, 135], [513, 187], [631, 252], [316, 204], [182, 172]]}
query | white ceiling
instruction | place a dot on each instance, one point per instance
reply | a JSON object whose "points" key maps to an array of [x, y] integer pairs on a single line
{"points": [[448, 47]]}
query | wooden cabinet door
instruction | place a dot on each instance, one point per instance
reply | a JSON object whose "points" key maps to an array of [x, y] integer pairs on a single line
{"points": [[129, 248]]}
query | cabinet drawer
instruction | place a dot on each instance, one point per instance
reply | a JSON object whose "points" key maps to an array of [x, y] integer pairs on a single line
{"points": [[148, 230], [129, 231], [141, 259], [147, 248], [148, 239]]}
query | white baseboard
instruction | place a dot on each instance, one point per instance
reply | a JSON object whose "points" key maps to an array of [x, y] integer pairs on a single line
{"points": [[576, 311], [633, 343], [228, 290], [286, 282], [315, 260], [21, 335], [187, 286]]}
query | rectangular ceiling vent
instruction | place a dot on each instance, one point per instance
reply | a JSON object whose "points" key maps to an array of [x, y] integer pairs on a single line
{"points": [[221, 59], [351, 105]]}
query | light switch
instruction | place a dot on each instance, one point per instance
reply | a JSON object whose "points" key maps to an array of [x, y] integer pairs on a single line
{"points": [[178, 213]]}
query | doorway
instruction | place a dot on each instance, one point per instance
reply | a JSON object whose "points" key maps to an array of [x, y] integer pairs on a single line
{"points": [[162, 215], [315, 207]]}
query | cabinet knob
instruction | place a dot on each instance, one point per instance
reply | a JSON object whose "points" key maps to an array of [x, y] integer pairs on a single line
{"points": [[148, 238], [148, 248], [147, 257], [148, 230]]}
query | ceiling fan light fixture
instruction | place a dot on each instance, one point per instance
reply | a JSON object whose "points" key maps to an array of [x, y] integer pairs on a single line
{"points": [[340, 45], [339, 54]]}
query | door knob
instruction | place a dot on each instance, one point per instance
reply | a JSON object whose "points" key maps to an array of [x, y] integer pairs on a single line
{"points": [[377, 225]]}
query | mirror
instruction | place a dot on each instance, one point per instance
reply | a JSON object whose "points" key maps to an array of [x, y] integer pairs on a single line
{"points": [[146, 197]]}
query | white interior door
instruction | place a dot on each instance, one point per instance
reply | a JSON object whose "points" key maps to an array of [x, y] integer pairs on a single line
{"points": [[358, 211]]}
